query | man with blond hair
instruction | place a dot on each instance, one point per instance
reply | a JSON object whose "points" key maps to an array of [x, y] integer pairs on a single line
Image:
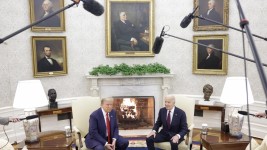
{"points": [[103, 129]]}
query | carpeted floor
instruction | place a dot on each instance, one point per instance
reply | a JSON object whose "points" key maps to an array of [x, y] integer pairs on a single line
{"points": [[140, 144]]}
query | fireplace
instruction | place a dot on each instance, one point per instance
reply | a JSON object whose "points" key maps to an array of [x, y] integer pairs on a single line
{"points": [[135, 112]]}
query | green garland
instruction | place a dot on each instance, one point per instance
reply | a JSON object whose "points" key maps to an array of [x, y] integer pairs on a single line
{"points": [[127, 70]]}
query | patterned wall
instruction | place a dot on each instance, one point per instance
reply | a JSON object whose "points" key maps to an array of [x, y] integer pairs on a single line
{"points": [[86, 48]]}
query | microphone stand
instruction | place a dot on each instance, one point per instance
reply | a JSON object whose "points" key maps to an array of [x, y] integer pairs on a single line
{"points": [[37, 22], [244, 24], [219, 23], [228, 53]]}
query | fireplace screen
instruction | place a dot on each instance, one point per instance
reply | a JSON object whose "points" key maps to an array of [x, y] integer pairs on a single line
{"points": [[135, 112]]}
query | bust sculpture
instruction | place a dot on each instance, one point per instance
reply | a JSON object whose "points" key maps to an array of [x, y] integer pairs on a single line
{"points": [[52, 94], [207, 90]]}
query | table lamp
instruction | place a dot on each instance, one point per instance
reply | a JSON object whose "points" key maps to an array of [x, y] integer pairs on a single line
{"points": [[29, 95], [234, 93]]}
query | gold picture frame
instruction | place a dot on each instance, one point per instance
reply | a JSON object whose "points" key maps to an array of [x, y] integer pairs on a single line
{"points": [[129, 28], [49, 56], [42, 8], [219, 13], [215, 63]]}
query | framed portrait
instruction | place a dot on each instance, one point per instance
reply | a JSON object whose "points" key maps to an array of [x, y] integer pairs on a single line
{"points": [[216, 10], [42, 8], [49, 56], [207, 60], [129, 28]]}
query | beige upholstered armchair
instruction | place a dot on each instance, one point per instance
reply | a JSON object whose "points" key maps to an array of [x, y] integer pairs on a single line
{"points": [[81, 110], [256, 146], [188, 106], [7, 146]]}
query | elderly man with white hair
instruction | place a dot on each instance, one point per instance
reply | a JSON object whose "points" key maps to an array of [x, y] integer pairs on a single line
{"points": [[54, 21], [212, 14], [174, 125]]}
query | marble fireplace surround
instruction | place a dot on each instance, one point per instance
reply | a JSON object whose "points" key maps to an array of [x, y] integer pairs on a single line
{"points": [[157, 85]]}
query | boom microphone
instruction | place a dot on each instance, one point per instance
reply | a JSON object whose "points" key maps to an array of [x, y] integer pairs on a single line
{"points": [[245, 113], [93, 7], [28, 117], [158, 42], [187, 19]]}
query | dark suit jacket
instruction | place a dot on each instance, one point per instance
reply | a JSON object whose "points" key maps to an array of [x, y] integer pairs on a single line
{"points": [[178, 124], [44, 65], [51, 22], [125, 30], [213, 15], [213, 62], [97, 128]]}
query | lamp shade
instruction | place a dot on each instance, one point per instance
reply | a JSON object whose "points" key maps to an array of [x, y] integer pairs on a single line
{"points": [[234, 91], [30, 94]]}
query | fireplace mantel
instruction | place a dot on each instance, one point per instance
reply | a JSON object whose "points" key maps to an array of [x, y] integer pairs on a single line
{"points": [[164, 80]]}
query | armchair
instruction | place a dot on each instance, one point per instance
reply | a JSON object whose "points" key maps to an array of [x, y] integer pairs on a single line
{"points": [[256, 146], [81, 110], [188, 106], [7, 146]]}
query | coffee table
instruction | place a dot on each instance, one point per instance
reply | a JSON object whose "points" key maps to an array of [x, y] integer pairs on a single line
{"points": [[49, 140]]}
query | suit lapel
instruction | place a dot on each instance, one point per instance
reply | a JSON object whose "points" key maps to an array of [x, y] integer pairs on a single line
{"points": [[111, 116], [165, 117], [174, 117], [102, 120]]}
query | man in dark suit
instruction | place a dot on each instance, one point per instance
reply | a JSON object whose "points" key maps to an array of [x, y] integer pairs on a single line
{"points": [[211, 61], [47, 63], [47, 10], [212, 14], [127, 32], [103, 129], [174, 125]]}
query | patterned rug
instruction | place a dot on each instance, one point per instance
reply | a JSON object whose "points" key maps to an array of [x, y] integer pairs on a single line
{"points": [[140, 144]]}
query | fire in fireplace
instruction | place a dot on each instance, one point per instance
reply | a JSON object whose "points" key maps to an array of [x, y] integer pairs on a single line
{"points": [[135, 112]]}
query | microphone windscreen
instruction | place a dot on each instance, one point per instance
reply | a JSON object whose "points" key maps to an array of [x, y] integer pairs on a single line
{"points": [[31, 117], [93, 7], [157, 45], [186, 21], [243, 112]]}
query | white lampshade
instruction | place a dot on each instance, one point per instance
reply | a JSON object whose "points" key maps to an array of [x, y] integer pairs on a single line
{"points": [[29, 95], [234, 92]]}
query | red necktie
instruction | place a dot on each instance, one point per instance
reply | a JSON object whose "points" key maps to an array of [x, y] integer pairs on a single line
{"points": [[108, 128], [169, 119]]}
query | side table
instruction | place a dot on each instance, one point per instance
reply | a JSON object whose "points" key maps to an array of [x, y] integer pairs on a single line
{"points": [[216, 107], [64, 109], [218, 140]]}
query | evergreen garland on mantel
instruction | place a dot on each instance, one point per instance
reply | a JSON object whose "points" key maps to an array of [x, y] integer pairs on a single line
{"points": [[127, 70]]}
